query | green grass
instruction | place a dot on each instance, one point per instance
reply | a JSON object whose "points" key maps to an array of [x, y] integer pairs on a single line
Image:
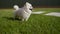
{"points": [[47, 9], [37, 24]]}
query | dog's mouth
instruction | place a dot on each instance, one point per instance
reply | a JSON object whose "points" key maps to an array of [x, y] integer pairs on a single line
{"points": [[31, 9]]}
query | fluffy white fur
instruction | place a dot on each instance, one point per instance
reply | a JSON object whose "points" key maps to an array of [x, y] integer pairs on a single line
{"points": [[24, 12], [16, 7]]}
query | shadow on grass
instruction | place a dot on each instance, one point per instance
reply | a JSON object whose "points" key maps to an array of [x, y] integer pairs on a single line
{"points": [[11, 18]]}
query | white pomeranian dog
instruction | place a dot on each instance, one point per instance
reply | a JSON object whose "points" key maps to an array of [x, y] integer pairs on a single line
{"points": [[24, 12]]}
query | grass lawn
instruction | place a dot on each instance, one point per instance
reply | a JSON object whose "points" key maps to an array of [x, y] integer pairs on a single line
{"points": [[37, 24]]}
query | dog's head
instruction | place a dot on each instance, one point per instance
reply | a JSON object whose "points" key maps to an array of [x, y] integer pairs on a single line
{"points": [[28, 6]]}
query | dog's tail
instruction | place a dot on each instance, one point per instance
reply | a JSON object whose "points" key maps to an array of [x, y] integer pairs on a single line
{"points": [[16, 7]]}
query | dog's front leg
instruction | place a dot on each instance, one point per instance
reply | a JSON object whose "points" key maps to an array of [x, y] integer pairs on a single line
{"points": [[27, 18]]}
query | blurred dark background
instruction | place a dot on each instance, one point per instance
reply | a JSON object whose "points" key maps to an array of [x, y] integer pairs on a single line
{"points": [[35, 3]]}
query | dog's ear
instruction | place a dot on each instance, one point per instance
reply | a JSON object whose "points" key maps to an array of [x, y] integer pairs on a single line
{"points": [[27, 3]]}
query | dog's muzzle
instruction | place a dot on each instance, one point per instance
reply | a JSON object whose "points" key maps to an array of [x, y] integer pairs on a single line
{"points": [[31, 9]]}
